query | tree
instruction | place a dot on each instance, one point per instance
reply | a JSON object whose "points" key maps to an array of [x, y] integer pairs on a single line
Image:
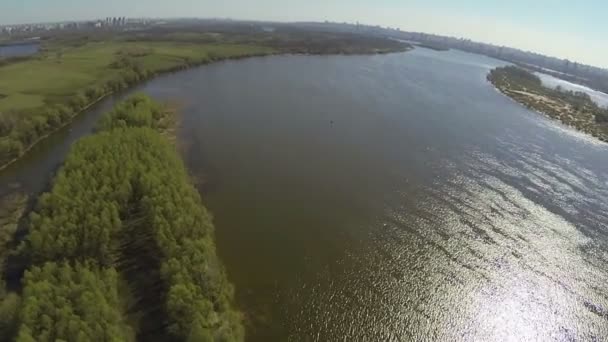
{"points": [[71, 303], [9, 309], [127, 164]]}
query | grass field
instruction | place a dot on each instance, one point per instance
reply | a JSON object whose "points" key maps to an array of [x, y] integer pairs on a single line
{"points": [[64, 71]]}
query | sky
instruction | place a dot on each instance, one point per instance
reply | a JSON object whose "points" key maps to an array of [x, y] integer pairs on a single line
{"points": [[577, 30]]}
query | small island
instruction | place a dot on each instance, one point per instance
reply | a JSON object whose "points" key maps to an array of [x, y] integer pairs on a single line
{"points": [[575, 109]]}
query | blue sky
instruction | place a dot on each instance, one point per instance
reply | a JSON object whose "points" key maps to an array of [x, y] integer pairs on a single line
{"points": [[577, 30]]}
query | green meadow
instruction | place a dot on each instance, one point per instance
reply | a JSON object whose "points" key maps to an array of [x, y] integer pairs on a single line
{"points": [[63, 72]]}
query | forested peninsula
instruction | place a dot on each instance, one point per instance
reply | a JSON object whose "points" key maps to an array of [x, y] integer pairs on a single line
{"points": [[575, 109], [122, 248]]}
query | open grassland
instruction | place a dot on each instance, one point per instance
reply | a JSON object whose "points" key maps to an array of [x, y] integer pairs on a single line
{"points": [[62, 72]]}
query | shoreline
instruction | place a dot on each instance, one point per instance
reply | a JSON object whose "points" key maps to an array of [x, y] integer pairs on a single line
{"points": [[182, 68], [547, 115], [40, 139], [552, 108], [88, 106]]}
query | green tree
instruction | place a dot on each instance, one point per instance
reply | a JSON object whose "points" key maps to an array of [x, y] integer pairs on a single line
{"points": [[128, 164]]}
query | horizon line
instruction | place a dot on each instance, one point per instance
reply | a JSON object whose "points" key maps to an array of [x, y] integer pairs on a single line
{"points": [[306, 21]]}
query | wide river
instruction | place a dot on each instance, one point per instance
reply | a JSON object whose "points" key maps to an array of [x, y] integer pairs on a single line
{"points": [[387, 198]]}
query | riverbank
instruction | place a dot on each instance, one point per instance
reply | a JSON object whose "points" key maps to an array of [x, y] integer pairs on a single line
{"points": [[575, 109], [9, 163], [150, 75], [71, 75], [32, 109], [12, 209]]}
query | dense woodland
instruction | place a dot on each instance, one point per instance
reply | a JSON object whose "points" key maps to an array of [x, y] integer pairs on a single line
{"points": [[122, 248], [78, 302]]}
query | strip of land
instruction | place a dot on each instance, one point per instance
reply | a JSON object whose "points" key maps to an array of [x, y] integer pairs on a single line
{"points": [[575, 109], [122, 248]]}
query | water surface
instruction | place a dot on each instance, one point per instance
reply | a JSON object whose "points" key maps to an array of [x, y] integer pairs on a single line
{"points": [[396, 197], [387, 198]]}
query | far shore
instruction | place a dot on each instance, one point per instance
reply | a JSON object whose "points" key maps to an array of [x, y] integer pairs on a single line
{"points": [[573, 109], [134, 62]]}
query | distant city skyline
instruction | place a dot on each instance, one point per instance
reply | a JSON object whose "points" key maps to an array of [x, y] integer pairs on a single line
{"points": [[572, 30]]}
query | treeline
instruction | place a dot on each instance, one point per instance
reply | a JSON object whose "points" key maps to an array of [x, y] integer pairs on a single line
{"points": [[286, 38], [72, 290], [12, 208], [515, 76], [299, 41], [21, 129], [65, 302]]}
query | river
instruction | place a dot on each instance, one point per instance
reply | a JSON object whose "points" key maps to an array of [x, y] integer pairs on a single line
{"points": [[387, 198], [19, 50]]}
